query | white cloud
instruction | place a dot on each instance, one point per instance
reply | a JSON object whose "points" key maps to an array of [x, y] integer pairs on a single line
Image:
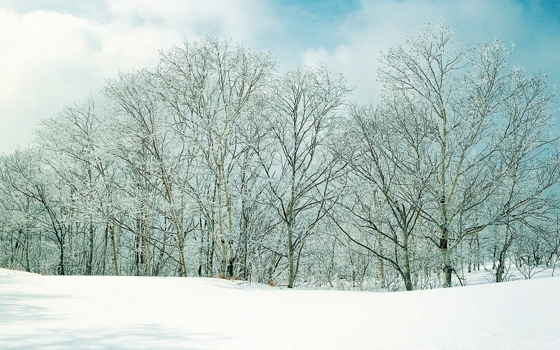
{"points": [[380, 24], [240, 19], [50, 59]]}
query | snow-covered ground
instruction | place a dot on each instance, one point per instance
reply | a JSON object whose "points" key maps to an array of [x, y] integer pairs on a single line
{"points": [[6, 272], [487, 275], [60, 312]]}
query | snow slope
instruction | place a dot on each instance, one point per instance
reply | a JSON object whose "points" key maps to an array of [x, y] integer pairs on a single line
{"points": [[60, 312], [15, 273]]}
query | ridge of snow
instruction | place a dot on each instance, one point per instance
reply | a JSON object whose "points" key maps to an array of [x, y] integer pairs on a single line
{"points": [[70, 312], [4, 272]]}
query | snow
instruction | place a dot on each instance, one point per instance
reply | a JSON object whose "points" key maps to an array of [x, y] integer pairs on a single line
{"points": [[15, 273], [78, 312]]}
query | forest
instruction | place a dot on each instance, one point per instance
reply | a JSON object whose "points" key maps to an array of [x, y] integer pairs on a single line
{"points": [[217, 163]]}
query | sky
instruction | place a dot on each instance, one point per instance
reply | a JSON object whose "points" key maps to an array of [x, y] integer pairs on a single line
{"points": [[60, 52]]}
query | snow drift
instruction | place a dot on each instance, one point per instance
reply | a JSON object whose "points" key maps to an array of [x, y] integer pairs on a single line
{"points": [[63, 312]]}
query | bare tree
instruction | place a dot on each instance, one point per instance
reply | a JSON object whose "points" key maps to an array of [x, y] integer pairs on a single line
{"points": [[155, 158], [299, 169], [208, 88], [382, 148], [23, 172], [72, 145], [471, 103]]}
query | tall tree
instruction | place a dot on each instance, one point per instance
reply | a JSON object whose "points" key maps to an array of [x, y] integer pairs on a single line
{"points": [[208, 89], [468, 99], [299, 167], [382, 148]]}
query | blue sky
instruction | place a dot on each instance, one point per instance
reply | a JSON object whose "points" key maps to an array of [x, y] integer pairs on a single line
{"points": [[59, 52]]}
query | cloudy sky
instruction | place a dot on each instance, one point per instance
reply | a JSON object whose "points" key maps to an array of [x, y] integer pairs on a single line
{"points": [[59, 52]]}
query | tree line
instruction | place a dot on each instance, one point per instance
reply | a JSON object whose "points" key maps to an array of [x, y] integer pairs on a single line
{"points": [[217, 164]]}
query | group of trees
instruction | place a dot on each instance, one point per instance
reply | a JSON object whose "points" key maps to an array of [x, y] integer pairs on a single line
{"points": [[215, 164]]}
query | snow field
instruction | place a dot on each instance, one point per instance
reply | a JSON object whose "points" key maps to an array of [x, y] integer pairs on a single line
{"points": [[72, 312]]}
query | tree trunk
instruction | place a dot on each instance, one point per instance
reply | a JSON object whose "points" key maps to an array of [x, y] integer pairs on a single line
{"points": [[210, 255], [291, 274], [89, 261], [502, 255], [229, 268], [381, 261], [447, 268], [180, 247], [104, 259], [113, 249], [26, 251], [406, 265], [61, 270], [245, 241]]}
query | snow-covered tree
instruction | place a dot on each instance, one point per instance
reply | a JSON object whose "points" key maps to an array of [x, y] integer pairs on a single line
{"points": [[490, 159]]}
